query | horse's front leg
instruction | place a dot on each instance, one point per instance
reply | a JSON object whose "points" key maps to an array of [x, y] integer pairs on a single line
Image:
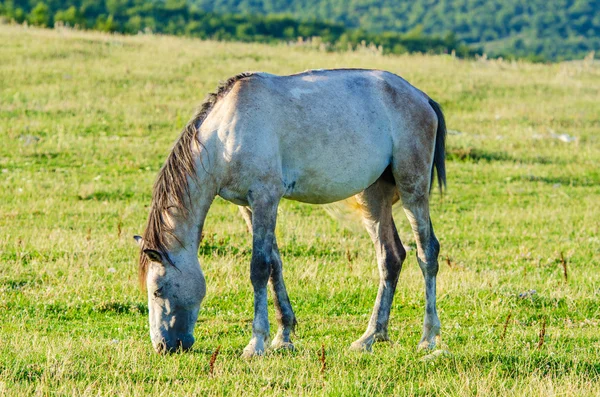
{"points": [[264, 216], [428, 249], [283, 308]]}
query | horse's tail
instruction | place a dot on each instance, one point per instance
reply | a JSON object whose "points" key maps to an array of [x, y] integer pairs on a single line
{"points": [[439, 154]]}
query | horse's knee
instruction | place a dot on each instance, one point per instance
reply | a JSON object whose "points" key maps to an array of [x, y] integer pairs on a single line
{"points": [[262, 258], [260, 269]]}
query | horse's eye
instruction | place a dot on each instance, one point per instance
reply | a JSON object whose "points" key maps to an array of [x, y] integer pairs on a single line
{"points": [[158, 292]]}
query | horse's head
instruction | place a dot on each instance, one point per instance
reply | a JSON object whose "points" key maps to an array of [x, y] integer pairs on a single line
{"points": [[176, 287]]}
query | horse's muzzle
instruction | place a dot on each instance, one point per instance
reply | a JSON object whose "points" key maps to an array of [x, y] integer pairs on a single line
{"points": [[180, 344]]}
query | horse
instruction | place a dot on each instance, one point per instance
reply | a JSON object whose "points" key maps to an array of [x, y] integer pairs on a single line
{"points": [[317, 137]]}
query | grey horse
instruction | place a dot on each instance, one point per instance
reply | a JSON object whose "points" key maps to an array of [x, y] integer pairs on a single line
{"points": [[317, 137]]}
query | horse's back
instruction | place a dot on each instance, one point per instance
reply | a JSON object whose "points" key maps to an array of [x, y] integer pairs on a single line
{"points": [[329, 134]]}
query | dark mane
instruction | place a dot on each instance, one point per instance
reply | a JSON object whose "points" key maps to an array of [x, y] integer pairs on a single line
{"points": [[171, 186]]}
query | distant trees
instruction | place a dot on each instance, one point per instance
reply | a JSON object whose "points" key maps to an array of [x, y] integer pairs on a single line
{"points": [[40, 15], [551, 29], [179, 17], [535, 29], [72, 16]]}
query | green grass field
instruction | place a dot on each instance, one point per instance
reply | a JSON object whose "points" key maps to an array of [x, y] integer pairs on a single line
{"points": [[86, 121]]}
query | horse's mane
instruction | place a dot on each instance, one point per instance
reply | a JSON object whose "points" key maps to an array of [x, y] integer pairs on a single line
{"points": [[171, 185]]}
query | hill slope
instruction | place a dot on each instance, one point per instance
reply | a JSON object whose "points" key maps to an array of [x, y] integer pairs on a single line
{"points": [[553, 29], [180, 17]]}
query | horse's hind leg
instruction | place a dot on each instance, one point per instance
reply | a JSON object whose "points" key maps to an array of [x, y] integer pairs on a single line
{"points": [[283, 308], [415, 200], [376, 205]]}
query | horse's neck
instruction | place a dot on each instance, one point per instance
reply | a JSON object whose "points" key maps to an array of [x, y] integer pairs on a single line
{"points": [[187, 227]]}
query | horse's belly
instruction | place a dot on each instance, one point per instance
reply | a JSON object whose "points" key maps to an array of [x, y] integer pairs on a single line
{"points": [[334, 181], [321, 197]]}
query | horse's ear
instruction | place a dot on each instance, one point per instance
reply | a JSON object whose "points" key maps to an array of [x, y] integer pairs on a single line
{"points": [[154, 255], [138, 239]]}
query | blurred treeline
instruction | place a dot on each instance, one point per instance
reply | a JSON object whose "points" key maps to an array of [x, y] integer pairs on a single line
{"points": [[180, 17], [535, 29]]}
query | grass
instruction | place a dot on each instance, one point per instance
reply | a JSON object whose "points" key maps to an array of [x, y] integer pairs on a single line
{"points": [[86, 121]]}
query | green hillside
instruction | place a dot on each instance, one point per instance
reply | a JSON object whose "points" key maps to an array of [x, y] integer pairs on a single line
{"points": [[552, 29], [183, 18], [539, 30]]}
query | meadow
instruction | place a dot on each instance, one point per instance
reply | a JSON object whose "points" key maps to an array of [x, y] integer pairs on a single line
{"points": [[86, 121]]}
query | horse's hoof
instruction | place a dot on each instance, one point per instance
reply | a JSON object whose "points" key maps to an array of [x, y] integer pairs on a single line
{"points": [[362, 346], [430, 343], [436, 354], [250, 352], [281, 345], [255, 348], [425, 345], [382, 337]]}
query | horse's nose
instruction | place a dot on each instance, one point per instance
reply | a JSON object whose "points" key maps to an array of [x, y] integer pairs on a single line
{"points": [[186, 341], [181, 343]]}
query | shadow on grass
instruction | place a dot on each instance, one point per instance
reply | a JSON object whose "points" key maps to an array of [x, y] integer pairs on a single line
{"points": [[578, 181], [475, 155], [538, 361], [107, 196], [122, 308]]}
